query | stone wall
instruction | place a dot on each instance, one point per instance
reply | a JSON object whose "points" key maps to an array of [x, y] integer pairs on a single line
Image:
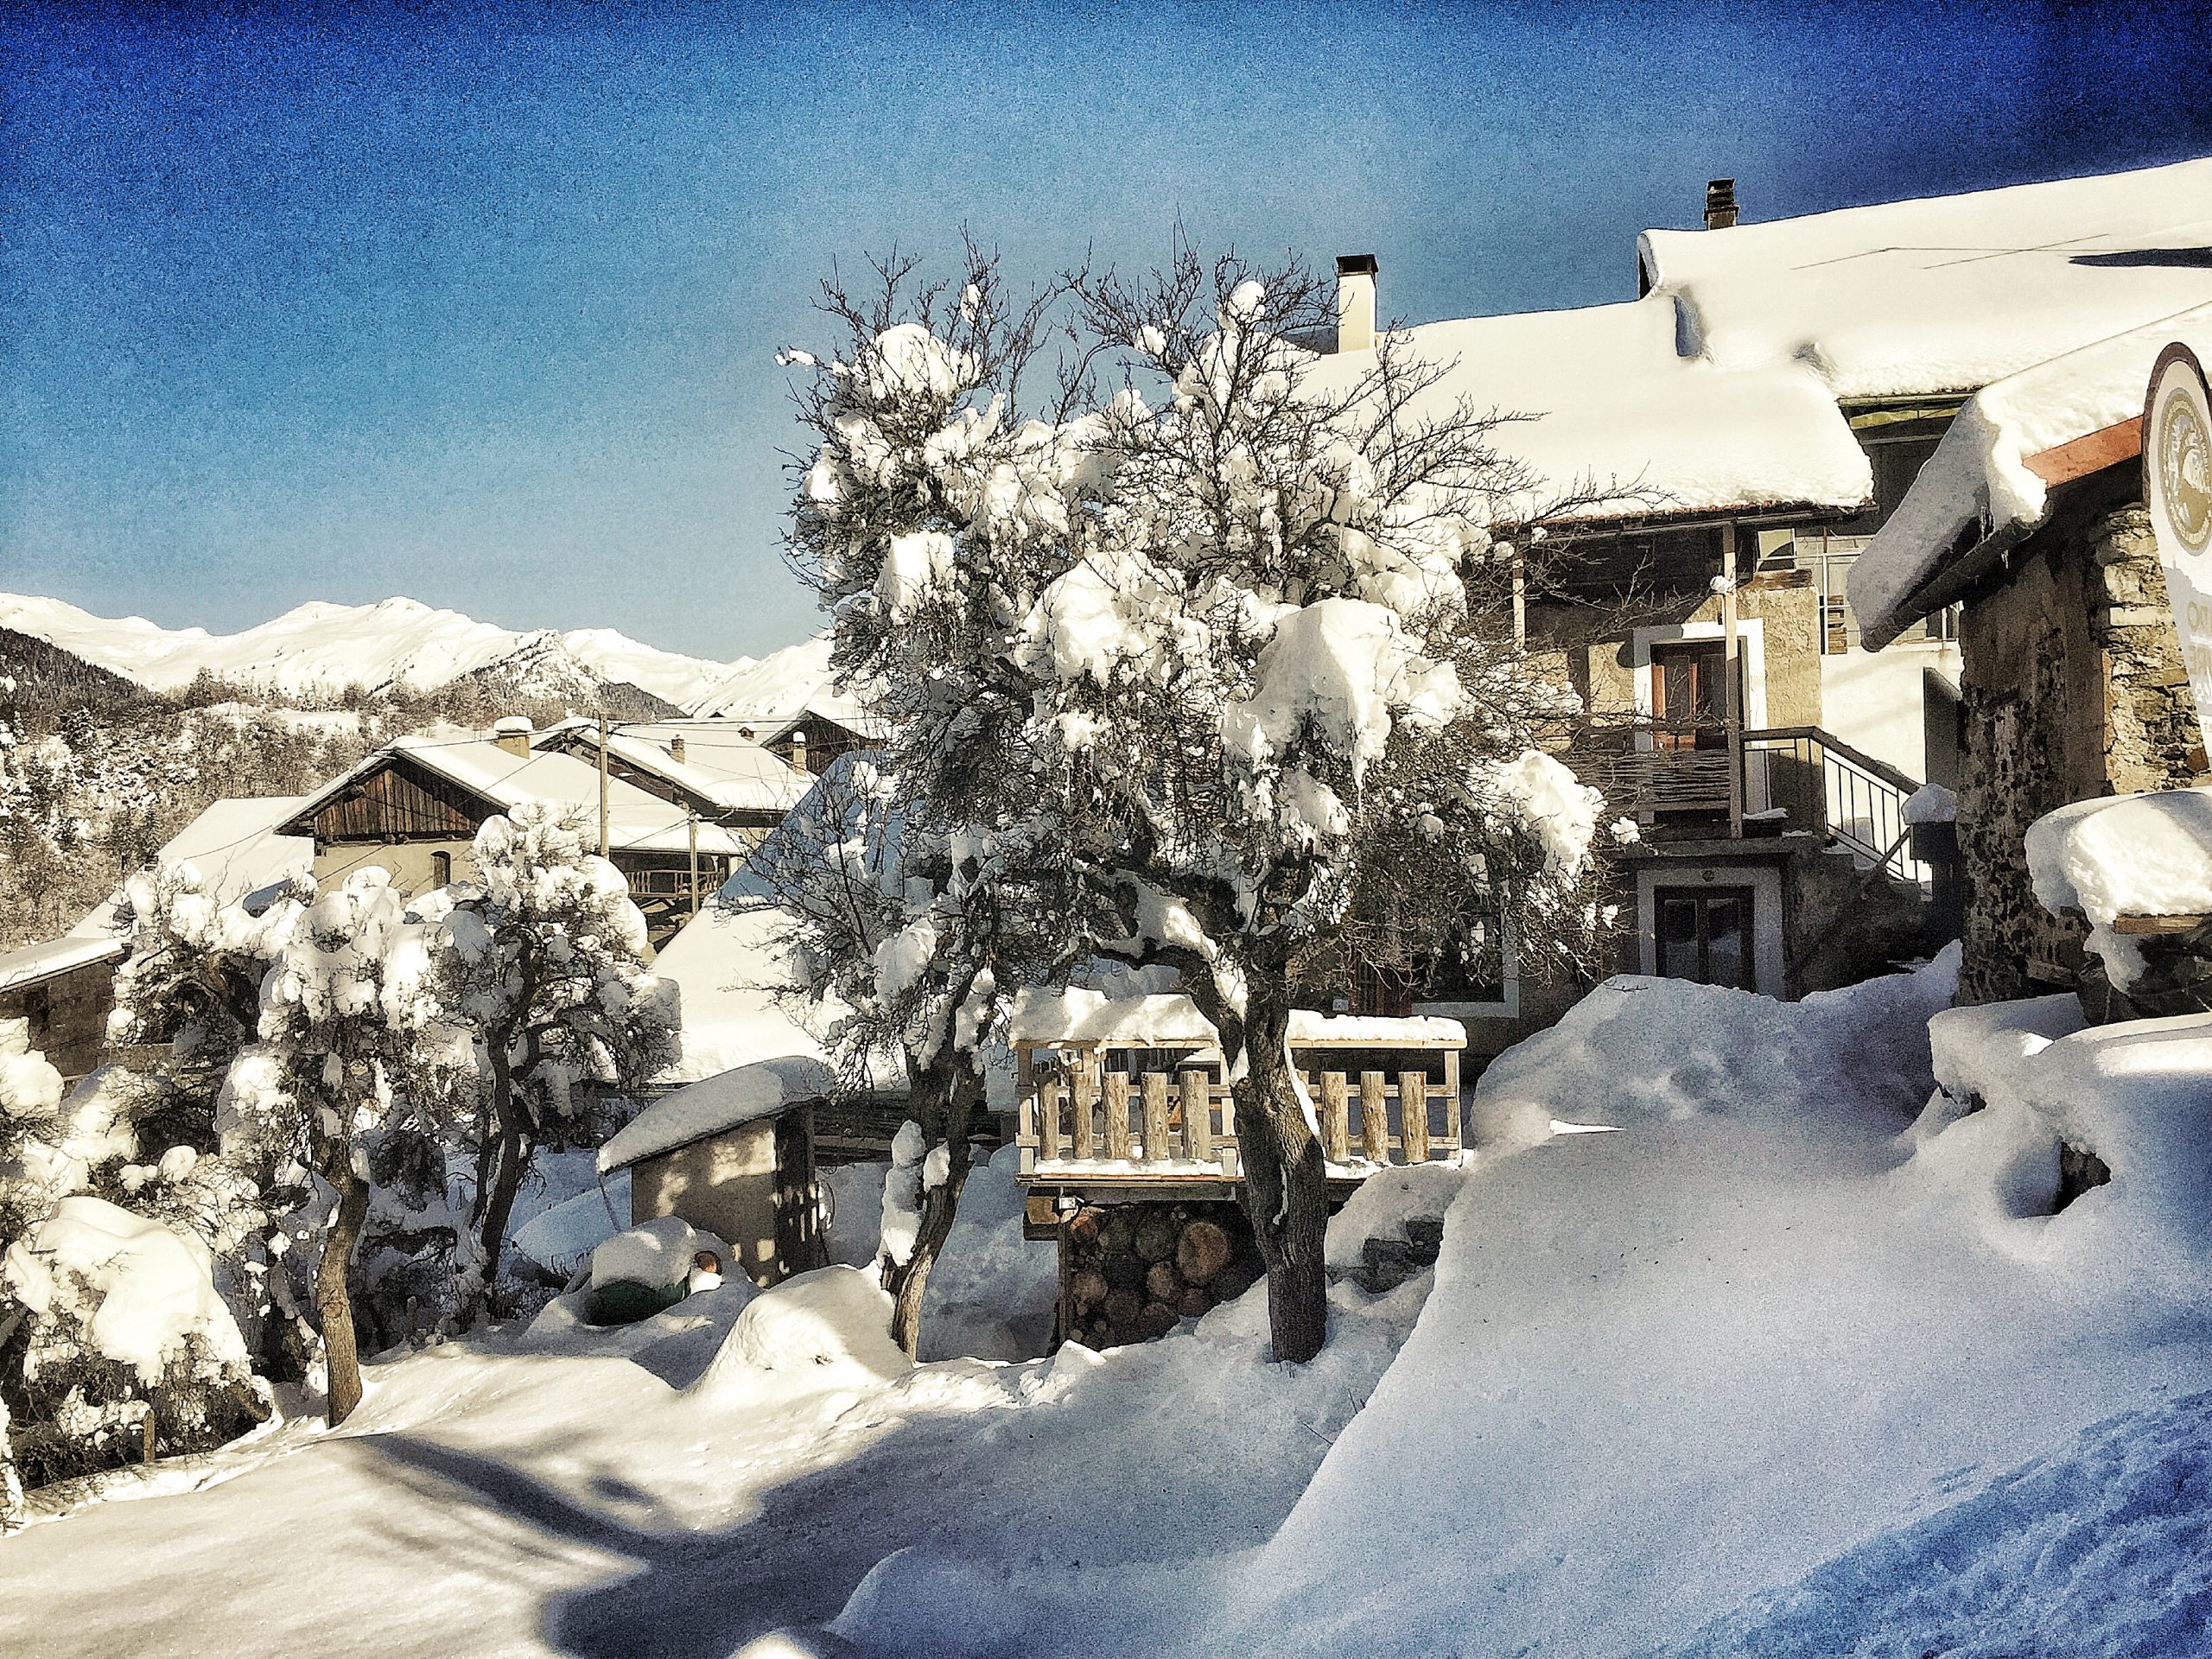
{"points": [[67, 1015], [2072, 688]]}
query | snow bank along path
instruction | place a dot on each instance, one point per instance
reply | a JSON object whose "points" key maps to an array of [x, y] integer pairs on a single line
{"points": [[1772, 1321]]}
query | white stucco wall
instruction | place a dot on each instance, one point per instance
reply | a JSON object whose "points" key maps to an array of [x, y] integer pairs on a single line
{"points": [[1871, 700]]}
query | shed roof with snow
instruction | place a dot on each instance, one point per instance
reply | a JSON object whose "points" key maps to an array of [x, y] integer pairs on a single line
{"points": [[715, 1105]]}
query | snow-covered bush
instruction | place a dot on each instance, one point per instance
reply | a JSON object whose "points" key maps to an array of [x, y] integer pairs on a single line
{"points": [[543, 959], [910, 931], [125, 1346], [1227, 639]]}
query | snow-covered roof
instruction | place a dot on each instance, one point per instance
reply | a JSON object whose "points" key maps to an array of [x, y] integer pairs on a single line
{"points": [[735, 773], [1165, 1020], [715, 1105], [1614, 405], [730, 962], [1944, 293], [1720, 389], [33, 962], [235, 846], [636, 821], [1984, 477]]}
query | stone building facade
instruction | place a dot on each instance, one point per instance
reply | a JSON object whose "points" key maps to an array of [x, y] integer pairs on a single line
{"points": [[2072, 688]]}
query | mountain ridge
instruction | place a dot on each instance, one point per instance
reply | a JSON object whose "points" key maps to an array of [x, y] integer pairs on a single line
{"points": [[321, 650]]}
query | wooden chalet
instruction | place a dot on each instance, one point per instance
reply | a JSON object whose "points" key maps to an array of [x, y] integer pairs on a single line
{"points": [[415, 806]]}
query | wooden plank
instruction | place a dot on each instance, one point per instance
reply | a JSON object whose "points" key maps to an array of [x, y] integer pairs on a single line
{"points": [[1154, 1084], [2153, 926], [1412, 1115], [1117, 1115], [1336, 1119], [1051, 1141], [1452, 1126], [1197, 1116], [1086, 1098], [1025, 1106], [1374, 1117]]}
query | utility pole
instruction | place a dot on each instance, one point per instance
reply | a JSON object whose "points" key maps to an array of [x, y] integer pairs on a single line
{"points": [[1520, 601], [605, 843], [695, 861], [1731, 678]]}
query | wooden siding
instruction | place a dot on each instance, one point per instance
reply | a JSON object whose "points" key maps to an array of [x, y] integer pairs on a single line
{"points": [[400, 801]]}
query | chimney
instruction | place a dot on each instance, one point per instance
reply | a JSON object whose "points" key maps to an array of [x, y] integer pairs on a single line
{"points": [[513, 734], [799, 750], [675, 749], [1719, 203], [1356, 274]]}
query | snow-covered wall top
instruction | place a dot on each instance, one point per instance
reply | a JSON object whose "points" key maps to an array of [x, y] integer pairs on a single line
{"points": [[1979, 476], [1172, 1019], [1948, 293], [320, 649]]}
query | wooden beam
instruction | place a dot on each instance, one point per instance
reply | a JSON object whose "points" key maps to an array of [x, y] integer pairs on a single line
{"points": [[1374, 1117], [1197, 1116], [1336, 1119], [2090, 452], [1154, 1084]]}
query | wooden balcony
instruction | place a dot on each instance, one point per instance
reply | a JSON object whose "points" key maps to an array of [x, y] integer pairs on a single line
{"points": [[1144, 1106]]}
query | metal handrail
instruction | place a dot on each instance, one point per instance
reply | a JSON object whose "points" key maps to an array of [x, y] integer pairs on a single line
{"points": [[1856, 790]]}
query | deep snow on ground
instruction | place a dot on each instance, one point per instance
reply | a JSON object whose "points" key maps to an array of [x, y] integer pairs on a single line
{"points": [[1786, 1365], [659, 1490], [1666, 1370]]}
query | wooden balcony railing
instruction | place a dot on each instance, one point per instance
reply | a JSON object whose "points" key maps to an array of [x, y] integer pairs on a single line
{"points": [[1080, 1123]]}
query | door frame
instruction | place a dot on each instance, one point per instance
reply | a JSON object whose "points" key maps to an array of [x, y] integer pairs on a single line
{"points": [[1770, 964]]}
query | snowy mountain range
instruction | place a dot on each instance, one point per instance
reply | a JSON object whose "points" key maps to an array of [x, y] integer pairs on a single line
{"points": [[319, 651]]}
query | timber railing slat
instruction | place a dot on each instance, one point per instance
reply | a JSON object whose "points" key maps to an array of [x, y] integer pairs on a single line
{"points": [[1086, 1098], [1154, 1084], [1197, 1114], [1413, 1115], [1118, 1116], [1336, 1119], [1374, 1117]]}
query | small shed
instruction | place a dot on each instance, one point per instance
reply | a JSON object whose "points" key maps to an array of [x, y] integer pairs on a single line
{"points": [[734, 1155]]}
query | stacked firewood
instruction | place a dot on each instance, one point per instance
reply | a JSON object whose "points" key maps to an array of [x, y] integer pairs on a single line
{"points": [[1135, 1271]]}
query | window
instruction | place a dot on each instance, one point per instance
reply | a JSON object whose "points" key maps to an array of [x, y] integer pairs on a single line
{"points": [[1689, 704], [1830, 557], [1704, 934], [441, 869]]}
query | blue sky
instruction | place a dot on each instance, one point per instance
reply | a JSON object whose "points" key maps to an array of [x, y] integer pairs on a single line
{"points": [[478, 304]]}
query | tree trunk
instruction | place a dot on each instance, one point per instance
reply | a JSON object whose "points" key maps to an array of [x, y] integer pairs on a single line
{"points": [[1286, 1192], [908, 1282], [332, 1299], [495, 1203]]}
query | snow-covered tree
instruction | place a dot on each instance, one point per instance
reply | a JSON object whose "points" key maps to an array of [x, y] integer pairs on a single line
{"points": [[544, 958], [1235, 625], [350, 1053], [909, 934]]}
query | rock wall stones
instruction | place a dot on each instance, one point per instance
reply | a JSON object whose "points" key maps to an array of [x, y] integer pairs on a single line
{"points": [[2072, 688]]}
